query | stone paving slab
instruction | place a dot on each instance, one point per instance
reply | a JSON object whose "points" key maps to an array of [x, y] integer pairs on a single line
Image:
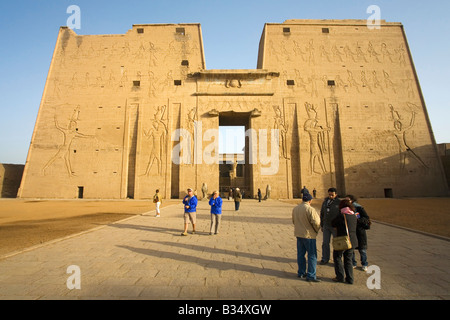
{"points": [[253, 258]]}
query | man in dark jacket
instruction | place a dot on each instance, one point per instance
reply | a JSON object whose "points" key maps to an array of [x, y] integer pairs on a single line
{"points": [[329, 210]]}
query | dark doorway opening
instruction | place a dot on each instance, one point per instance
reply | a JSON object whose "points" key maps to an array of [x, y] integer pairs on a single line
{"points": [[388, 193], [80, 192]]}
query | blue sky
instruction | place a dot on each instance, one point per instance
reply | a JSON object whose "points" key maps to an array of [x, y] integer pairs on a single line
{"points": [[231, 34]]}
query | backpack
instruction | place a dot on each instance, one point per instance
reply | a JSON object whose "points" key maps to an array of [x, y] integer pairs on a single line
{"points": [[364, 223]]}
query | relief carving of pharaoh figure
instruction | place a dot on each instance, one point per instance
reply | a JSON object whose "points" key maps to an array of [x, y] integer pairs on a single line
{"points": [[157, 136], [70, 133], [281, 125], [317, 144], [404, 150]]}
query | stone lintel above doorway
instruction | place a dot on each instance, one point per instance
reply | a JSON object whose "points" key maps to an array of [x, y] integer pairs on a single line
{"points": [[242, 82], [233, 93], [238, 73]]}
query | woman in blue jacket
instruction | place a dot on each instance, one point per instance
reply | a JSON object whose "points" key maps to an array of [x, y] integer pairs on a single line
{"points": [[216, 212]]}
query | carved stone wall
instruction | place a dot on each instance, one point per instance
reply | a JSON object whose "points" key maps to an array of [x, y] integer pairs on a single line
{"points": [[124, 115]]}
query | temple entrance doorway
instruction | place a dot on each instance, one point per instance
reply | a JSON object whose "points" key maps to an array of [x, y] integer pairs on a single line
{"points": [[234, 167]]}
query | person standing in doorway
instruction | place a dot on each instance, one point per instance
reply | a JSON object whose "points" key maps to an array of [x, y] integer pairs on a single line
{"points": [[157, 202], [216, 212], [329, 211], [237, 199], [190, 211], [306, 222]]}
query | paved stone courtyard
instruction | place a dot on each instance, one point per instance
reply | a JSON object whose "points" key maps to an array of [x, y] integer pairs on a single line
{"points": [[253, 257]]}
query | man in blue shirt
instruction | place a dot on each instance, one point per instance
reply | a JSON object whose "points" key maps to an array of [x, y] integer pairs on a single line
{"points": [[216, 212], [190, 211]]}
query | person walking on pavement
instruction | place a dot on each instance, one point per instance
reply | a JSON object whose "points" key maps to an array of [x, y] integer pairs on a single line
{"points": [[216, 212], [306, 222], [329, 211], [190, 211], [237, 199], [157, 202], [259, 195]]}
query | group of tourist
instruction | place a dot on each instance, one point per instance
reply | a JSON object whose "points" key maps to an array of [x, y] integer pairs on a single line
{"points": [[190, 202], [215, 201], [337, 218]]}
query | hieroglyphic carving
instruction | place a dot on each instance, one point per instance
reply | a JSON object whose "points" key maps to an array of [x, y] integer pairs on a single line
{"points": [[325, 54], [284, 52], [87, 80], [281, 125], [317, 144], [405, 152], [56, 87], [352, 82], [386, 53], [167, 83], [401, 52], [310, 50], [388, 82], [192, 117], [233, 83], [158, 140], [340, 83], [349, 53], [125, 50], [298, 51], [364, 81], [372, 52], [337, 55], [273, 51], [299, 81], [70, 133], [111, 80], [312, 82], [360, 54], [376, 83], [172, 50], [409, 86], [74, 82], [152, 85], [140, 52], [352, 52], [124, 78], [153, 60]]}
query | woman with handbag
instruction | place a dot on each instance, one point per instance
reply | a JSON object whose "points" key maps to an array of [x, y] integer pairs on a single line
{"points": [[363, 224], [344, 242]]}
